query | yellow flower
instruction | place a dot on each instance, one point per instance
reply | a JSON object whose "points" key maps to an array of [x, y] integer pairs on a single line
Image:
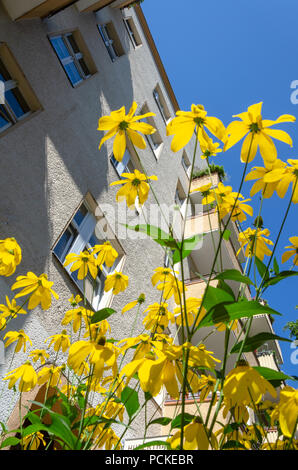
{"points": [[185, 123], [10, 256], [149, 368], [256, 242], [11, 309], [206, 386], [122, 126], [83, 262], [134, 185], [194, 437], [2, 322], [209, 149], [290, 175], [207, 193], [39, 354], [76, 315], [132, 304], [98, 329], [27, 376], [162, 274], [117, 281], [106, 254], [59, 341], [244, 385], [50, 375], [239, 209], [199, 356], [33, 441], [192, 308], [293, 251], [288, 410], [258, 134], [158, 317], [75, 300], [101, 354], [20, 337], [40, 288], [267, 178]]}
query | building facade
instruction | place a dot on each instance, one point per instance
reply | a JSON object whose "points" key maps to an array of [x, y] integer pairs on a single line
{"points": [[65, 64]]}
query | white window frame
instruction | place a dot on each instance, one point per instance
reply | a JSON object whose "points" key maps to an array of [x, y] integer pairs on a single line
{"points": [[74, 57], [84, 232], [187, 167]]}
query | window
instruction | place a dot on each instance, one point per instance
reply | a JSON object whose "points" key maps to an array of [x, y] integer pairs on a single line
{"points": [[154, 140], [161, 104], [17, 99], [132, 32], [111, 40], [74, 56], [83, 233], [125, 166]]}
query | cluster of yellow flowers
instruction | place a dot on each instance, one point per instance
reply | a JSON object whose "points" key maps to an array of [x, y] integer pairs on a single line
{"points": [[89, 361]]}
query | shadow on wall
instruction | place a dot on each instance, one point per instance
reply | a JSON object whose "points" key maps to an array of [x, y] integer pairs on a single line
{"points": [[50, 162]]}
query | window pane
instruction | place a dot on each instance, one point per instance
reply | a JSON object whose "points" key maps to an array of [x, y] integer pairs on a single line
{"points": [[63, 243], [60, 47], [4, 119], [84, 67], [73, 44], [16, 102], [73, 73], [80, 215]]}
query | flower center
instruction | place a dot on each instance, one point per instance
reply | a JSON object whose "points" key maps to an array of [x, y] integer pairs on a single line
{"points": [[254, 128], [123, 125], [136, 182], [101, 341], [199, 121], [207, 153]]}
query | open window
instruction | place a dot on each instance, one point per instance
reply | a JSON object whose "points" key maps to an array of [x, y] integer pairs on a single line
{"points": [[111, 40], [82, 233], [161, 104], [74, 56], [17, 99], [132, 32]]}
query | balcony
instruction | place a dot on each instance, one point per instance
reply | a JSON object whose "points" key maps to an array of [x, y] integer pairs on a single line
{"points": [[28, 9]]}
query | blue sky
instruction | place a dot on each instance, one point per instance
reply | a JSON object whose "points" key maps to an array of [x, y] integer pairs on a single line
{"points": [[227, 56]]}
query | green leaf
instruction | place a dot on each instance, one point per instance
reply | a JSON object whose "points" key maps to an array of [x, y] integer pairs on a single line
{"points": [[189, 245], [214, 296], [254, 342], [273, 376], [162, 421], [279, 277], [156, 233], [60, 427], [130, 400], [275, 266], [228, 311], [234, 275], [154, 443], [262, 268], [224, 286], [177, 422], [226, 235], [10, 441], [102, 314]]}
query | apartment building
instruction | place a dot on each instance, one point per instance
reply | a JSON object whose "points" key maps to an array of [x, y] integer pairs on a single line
{"points": [[65, 64]]}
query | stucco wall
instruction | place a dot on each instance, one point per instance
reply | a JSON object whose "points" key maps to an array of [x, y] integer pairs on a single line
{"points": [[51, 160]]}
